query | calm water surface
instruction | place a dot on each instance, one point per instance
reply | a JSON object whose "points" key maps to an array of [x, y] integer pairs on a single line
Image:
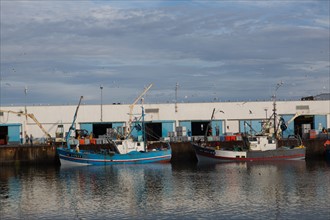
{"points": [[280, 190]]}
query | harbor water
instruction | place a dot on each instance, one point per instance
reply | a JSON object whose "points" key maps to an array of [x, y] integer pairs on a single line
{"points": [[267, 190]]}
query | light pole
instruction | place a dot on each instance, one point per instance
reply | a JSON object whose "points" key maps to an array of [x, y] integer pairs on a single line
{"points": [[101, 88], [266, 109], [25, 92], [25, 109], [176, 97]]}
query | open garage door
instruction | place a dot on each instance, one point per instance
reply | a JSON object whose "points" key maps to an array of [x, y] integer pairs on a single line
{"points": [[199, 128], [101, 129], [153, 131], [3, 135], [303, 124]]}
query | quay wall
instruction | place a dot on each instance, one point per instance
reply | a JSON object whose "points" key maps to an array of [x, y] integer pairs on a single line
{"points": [[182, 152], [28, 155]]}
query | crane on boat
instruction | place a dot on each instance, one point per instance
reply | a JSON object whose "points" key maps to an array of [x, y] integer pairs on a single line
{"points": [[30, 115], [72, 127], [128, 127], [209, 126], [284, 125]]}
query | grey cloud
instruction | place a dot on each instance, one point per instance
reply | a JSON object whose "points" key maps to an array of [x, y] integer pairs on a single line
{"points": [[229, 50]]}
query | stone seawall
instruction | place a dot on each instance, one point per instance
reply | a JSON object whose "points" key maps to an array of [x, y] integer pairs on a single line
{"points": [[181, 152]]}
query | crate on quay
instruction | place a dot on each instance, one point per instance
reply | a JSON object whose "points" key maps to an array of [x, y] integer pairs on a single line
{"points": [[181, 129], [99, 141], [171, 134], [181, 133]]}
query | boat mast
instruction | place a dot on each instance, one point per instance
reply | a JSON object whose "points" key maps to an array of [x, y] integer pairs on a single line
{"points": [[209, 125], [143, 130], [278, 85]]}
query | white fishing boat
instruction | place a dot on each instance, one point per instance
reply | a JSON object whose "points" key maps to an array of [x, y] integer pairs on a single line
{"points": [[258, 148], [261, 147]]}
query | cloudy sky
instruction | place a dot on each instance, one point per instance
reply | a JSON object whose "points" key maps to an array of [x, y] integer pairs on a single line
{"points": [[215, 50]]}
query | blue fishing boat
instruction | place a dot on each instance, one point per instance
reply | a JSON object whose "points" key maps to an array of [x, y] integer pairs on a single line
{"points": [[120, 152], [124, 150]]}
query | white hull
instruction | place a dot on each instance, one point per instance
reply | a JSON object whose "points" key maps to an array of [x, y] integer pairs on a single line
{"points": [[68, 163], [209, 155]]}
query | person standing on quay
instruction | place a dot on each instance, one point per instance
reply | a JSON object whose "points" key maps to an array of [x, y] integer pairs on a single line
{"points": [[31, 139], [26, 139]]}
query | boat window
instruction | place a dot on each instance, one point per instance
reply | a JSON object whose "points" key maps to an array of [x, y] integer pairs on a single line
{"points": [[138, 144]]}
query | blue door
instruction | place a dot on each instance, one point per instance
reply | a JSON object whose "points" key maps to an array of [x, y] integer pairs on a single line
{"points": [[250, 126], [290, 127], [217, 129], [14, 133], [186, 124], [87, 126], [167, 127]]}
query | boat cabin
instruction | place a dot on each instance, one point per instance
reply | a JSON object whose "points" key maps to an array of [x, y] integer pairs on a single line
{"points": [[126, 146], [262, 143]]}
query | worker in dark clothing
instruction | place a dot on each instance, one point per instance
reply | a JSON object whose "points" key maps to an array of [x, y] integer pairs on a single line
{"points": [[27, 139], [31, 139]]}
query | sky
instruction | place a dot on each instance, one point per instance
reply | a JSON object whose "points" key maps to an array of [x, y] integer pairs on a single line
{"points": [[53, 52]]}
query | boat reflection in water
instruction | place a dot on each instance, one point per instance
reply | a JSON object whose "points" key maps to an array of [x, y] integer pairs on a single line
{"points": [[274, 190]]}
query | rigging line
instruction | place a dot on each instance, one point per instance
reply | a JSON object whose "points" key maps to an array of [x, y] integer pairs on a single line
{"points": [[5, 121], [154, 136], [151, 133]]}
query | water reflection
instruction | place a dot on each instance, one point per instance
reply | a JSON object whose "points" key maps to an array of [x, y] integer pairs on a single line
{"points": [[282, 189], [123, 190], [275, 190]]}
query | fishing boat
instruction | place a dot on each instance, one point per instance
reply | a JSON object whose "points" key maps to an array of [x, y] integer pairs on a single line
{"points": [[257, 148], [118, 150], [263, 146]]}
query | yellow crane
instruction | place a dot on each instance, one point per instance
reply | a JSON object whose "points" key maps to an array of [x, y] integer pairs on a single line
{"points": [[131, 109], [30, 115]]}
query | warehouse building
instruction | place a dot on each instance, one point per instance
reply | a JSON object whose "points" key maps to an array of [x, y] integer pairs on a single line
{"points": [[163, 120]]}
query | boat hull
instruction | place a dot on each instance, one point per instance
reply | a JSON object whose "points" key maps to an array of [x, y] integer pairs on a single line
{"points": [[70, 157], [211, 155], [327, 153]]}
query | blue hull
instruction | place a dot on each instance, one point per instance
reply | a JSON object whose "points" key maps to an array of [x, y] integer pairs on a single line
{"points": [[84, 157]]}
